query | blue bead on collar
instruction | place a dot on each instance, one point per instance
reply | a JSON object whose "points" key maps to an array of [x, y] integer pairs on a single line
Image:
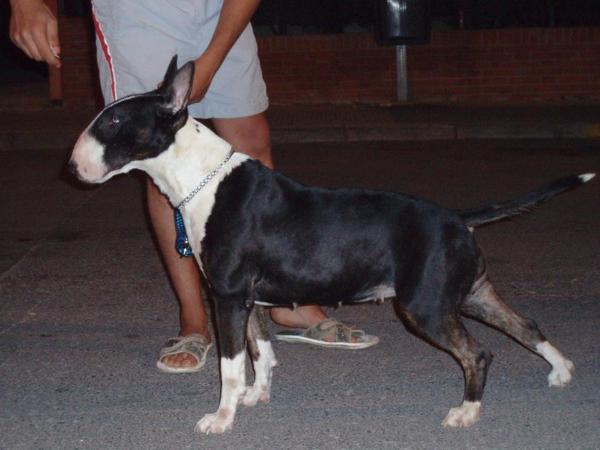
{"points": [[182, 243]]}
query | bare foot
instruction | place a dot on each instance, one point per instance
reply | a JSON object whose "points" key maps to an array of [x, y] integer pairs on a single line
{"points": [[188, 356], [180, 360], [301, 317]]}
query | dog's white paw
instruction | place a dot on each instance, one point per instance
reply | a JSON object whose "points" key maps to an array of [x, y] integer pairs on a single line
{"points": [[464, 415], [562, 368], [561, 375], [256, 393], [216, 423]]}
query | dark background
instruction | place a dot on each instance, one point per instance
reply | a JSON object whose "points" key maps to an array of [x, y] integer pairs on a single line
{"points": [[283, 17]]}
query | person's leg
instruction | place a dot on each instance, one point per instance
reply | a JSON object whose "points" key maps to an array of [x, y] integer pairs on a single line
{"points": [[132, 59], [183, 273], [251, 135]]}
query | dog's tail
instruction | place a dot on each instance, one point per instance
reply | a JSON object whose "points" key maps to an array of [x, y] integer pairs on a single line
{"points": [[480, 216]]}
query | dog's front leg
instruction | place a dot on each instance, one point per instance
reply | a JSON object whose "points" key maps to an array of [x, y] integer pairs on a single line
{"points": [[231, 320]]}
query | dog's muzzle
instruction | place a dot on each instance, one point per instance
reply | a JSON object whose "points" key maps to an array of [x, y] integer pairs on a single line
{"points": [[72, 168], [87, 160]]}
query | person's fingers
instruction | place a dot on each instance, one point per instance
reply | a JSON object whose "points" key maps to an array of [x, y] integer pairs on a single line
{"points": [[18, 41], [34, 29], [17, 38], [30, 45], [53, 39], [202, 79], [41, 42], [45, 40]]}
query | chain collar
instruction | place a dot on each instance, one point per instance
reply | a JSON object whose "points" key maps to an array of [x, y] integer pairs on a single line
{"points": [[205, 181], [182, 243]]}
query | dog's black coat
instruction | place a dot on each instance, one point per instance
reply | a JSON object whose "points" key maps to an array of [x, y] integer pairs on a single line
{"points": [[274, 240], [269, 239]]}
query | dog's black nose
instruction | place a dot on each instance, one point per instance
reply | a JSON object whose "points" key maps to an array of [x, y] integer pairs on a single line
{"points": [[72, 167]]}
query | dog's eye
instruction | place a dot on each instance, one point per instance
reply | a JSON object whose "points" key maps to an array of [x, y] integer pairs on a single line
{"points": [[115, 120]]}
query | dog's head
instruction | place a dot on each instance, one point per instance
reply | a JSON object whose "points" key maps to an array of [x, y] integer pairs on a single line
{"points": [[134, 128]]}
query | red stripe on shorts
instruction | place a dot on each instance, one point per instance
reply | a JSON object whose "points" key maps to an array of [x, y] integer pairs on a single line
{"points": [[106, 52]]}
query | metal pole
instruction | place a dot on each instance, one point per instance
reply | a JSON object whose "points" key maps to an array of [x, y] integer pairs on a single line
{"points": [[401, 76]]}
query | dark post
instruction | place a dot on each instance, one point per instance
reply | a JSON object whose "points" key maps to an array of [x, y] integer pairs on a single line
{"points": [[403, 22], [400, 23]]}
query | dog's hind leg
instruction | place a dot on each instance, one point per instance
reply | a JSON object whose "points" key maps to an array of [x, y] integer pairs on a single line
{"points": [[485, 305], [231, 320], [448, 332], [263, 358]]}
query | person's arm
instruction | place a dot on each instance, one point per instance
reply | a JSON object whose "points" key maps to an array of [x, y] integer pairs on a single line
{"points": [[34, 29], [234, 17]]}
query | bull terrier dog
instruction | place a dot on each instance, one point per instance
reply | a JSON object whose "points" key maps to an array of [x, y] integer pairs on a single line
{"points": [[263, 239]]}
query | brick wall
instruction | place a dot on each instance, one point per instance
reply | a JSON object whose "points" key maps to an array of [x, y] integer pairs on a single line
{"points": [[327, 68], [488, 66], [515, 65]]}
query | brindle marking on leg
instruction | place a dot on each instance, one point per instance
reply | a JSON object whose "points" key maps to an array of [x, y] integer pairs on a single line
{"points": [[257, 329], [450, 335], [263, 358], [485, 304]]}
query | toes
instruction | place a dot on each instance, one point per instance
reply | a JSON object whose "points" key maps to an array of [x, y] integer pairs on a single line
{"points": [[464, 415], [561, 375], [215, 423], [562, 368], [180, 360], [251, 398], [254, 394]]}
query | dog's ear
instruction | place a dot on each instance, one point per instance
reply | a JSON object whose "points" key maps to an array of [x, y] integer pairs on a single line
{"points": [[177, 86], [171, 71]]}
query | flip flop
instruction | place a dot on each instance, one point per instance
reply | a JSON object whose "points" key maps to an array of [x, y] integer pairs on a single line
{"points": [[194, 344], [329, 333]]}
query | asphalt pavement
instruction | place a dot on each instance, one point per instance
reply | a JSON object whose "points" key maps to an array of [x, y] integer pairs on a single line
{"points": [[85, 306]]}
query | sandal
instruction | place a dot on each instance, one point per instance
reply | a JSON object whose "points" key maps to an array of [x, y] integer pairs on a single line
{"points": [[329, 333], [194, 344]]}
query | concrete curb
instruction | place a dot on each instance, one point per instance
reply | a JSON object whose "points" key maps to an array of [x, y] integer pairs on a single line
{"points": [[435, 132], [11, 141]]}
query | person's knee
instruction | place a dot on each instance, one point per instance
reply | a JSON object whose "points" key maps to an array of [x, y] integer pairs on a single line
{"points": [[257, 137], [250, 135]]}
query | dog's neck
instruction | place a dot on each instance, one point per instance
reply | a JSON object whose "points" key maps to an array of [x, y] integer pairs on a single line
{"points": [[195, 153]]}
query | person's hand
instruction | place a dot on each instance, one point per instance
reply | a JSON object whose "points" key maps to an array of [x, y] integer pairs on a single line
{"points": [[204, 71], [34, 29]]}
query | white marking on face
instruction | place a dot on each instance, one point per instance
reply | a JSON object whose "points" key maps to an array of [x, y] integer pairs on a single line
{"points": [[176, 171], [114, 103], [263, 371], [562, 368], [464, 415], [88, 155], [233, 385]]}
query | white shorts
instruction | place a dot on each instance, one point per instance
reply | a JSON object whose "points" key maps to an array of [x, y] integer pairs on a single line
{"points": [[135, 41]]}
